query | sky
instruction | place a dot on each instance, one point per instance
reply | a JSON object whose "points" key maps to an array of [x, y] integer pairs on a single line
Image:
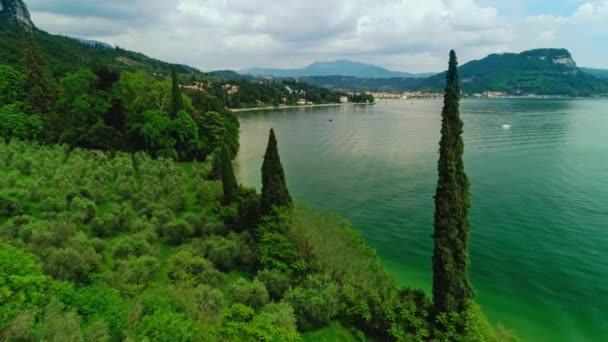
{"points": [[402, 35]]}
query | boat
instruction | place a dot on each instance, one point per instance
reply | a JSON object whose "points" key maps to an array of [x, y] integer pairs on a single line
{"points": [[506, 126]]}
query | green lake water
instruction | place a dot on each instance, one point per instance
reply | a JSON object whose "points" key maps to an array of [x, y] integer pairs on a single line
{"points": [[539, 239]]}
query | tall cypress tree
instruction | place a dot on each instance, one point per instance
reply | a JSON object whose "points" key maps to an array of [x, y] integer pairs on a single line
{"points": [[177, 103], [38, 82], [274, 187], [451, 286], [231, 188]]}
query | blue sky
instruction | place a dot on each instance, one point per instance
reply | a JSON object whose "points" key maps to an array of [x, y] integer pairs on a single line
{"points": [[405, 35]]}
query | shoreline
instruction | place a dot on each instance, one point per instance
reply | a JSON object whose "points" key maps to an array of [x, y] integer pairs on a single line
{"points": [[253, 109]]}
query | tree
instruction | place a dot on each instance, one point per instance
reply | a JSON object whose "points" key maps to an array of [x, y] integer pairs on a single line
{"points": [[451, 287], [37, 79], [177, 103], [231, 187], [15, 124], [274, 186], [11, 85]]}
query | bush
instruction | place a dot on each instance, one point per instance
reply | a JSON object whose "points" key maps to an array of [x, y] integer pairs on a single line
{"points": [[177, 231], [221, 251], [188, 269], [315, 303], [135, 274], [253, 294], [470, 325], [276, 282], [129, 246], [83, 209], [105, 225], [10, 204]]}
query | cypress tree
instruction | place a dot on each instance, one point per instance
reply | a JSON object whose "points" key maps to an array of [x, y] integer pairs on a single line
{"points": [[38, 82], [274, 187], [231, 188], [177, 102], [451, 286]]}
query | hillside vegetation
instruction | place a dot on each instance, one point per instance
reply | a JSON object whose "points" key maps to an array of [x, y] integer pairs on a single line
{"points": [[542, 71], [101, 247]]}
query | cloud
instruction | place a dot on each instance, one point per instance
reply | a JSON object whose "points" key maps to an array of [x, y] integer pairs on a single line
{"points": [[407, 35]]}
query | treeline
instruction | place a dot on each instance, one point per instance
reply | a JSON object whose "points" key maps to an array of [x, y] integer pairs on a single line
{"points": [[251, 93], [100, 108]]}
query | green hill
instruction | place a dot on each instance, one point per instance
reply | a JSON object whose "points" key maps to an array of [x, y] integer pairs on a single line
{"points": [[541, 71]]}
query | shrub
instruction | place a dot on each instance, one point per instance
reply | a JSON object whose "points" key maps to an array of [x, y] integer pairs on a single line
{"points": [[10, 204], [83, 209], [129, 246], [177, 231], [221, 251], [315, 303], [253, 294], [188, 269], [277, 282]]}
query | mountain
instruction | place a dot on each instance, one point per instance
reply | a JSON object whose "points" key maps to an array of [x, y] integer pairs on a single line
{"points": [[334, 68], [599, 73], [540, 71], [67, 54], [14, 12]]}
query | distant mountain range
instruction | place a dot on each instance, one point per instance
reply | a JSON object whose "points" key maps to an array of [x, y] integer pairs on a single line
{"points": [[334, 68], [540, 71]]}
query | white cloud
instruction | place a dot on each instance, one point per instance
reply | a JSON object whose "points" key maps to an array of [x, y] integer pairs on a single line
{"points": [[407, 35]]}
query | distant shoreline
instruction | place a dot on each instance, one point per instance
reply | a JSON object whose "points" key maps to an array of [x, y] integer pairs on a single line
{"points": [[298, 106]]}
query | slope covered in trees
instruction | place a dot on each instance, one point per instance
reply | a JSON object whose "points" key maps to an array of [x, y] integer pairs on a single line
{"points": [[541, 71]]}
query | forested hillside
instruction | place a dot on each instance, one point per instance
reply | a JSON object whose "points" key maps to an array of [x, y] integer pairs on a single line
{"points": [[541, 71], [121, 217]]}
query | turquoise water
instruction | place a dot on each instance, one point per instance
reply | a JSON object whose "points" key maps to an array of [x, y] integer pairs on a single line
{"points": [[539, 211]]}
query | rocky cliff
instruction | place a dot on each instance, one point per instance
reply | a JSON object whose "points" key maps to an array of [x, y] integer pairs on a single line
{"points": [[14, 12]]}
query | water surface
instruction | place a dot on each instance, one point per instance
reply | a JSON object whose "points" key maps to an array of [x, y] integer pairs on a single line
{"points": [[539, 213]]}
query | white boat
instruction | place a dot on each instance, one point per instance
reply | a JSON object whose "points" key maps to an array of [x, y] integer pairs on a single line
{"points": [[505, 126]]}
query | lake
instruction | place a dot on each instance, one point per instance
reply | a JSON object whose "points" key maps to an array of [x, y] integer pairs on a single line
{"points": [[539, 236]]}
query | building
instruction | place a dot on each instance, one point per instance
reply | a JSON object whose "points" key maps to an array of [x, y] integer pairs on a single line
{"points": [[231, 89], [343, 99], [301, 102]]}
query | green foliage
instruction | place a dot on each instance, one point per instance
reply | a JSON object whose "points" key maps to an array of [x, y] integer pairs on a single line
{"points": [[135, 248], [177, 231], [23, 287], [274, 186], [223, 252], [186, 268], [276, 282], [177, 103], [469, 325], [38, 83], [275, 322], [186, 133], [231, 188], [315, 303], [252, 294], [451, 286], [60, 324], [15, 124], [12, 85]]}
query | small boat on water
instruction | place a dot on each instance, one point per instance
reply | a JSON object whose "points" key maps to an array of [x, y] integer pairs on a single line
{"points": [[506, 126]]}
